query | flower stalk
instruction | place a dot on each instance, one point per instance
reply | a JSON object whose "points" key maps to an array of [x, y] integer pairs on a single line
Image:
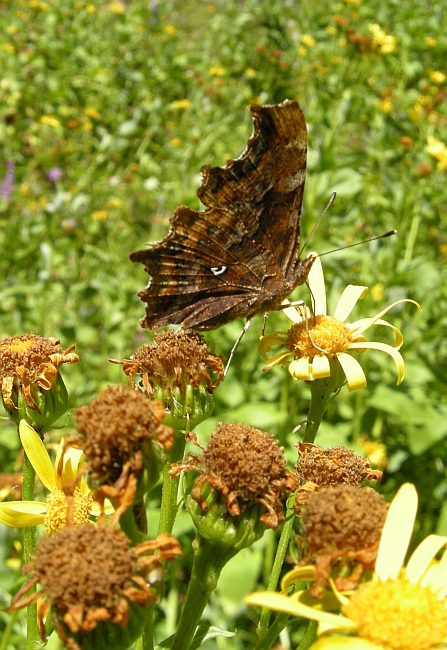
{"points": [[29, 543]]}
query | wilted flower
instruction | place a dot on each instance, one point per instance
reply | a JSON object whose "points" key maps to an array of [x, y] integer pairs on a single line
{"points": [[30, 382], [241, 466], [342, 527], [319, 344], [116, 433], [69, 501], [318, 468], [180, 371], [96, 584]]}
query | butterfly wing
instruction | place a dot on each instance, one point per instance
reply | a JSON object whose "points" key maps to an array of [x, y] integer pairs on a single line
{"points": [[238, 257]]}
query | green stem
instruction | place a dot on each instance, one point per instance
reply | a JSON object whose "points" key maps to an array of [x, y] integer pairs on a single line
{"points": [[309, 636], [263, 628], [320, 398], [128, 525], [169, 506], [209, 560], [29, 543]]}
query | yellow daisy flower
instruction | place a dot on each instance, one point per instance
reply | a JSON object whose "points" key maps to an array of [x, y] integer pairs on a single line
{"points": [[53, 512], [401, 608], [319, 344]]}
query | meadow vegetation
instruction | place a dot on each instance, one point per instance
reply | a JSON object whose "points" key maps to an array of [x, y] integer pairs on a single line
{"points": [[107, 113]]}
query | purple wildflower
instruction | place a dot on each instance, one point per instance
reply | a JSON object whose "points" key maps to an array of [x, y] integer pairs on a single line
{"points": [[7, 184], [54, 174]]}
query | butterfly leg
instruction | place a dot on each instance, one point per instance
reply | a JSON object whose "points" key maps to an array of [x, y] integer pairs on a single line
{"points": [[235, 346]]}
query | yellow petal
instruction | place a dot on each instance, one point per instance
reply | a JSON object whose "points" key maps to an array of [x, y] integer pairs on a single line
{"points": [[37, 455], [21, 514], [301, 369], [267, 342], [423, 556], [71, 462], [436, 577], [353, 371], [384, 311], [295, 314], [320, 367], [348, 300], [300, 574], [359, 325], [384, 347], [396, 533], [291, 605], [277, 359], [317, 289]]}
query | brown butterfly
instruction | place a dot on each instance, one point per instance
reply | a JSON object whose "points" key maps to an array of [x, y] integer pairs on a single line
{"points": [[239, 257]]}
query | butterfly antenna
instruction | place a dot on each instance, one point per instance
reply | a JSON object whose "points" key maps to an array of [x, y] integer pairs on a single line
{"points": [[330, 202], [358, 243]]}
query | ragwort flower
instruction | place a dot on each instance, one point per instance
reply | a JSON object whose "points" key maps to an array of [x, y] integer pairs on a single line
{"points": [[319, 344], [181, 372], [67, 502], [401, 608], [31, 385], [240, 468]]}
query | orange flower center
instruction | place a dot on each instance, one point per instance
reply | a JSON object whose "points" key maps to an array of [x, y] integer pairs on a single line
{"points": [[319, 333]]}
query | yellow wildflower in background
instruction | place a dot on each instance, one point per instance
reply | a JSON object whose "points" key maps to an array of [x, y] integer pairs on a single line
{"points": [[430, 41], [181, 103], [99, 215], [8, 47], [217, 71], [169, 30], [386, 106], [50, 120], [437, 77], [176, 142], [308, 40], [92, 112], [115, 7], [114, 203], [438, 150], [385, 43], [317, 345]]}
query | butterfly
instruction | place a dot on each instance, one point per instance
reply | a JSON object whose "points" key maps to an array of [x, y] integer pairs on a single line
{"points": [[239, 257]]}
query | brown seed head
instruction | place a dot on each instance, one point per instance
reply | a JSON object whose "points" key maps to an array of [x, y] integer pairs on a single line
{"points": [[115, 429], [333, 466], [343, 518], [176, 359], [246, 459], [29, 362]]}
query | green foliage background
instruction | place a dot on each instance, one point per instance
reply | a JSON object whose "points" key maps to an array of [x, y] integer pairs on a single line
{"points": [[130, 99]]}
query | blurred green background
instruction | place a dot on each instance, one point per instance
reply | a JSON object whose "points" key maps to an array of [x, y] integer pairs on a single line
{"points": [[109, 110]]}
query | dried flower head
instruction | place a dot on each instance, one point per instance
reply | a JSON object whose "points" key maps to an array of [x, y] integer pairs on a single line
{"points": [[319, 468], [93, 579], [342, 528], [181, 372], [116, 432], [246, 466], [30, 383], [176, 360]]}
